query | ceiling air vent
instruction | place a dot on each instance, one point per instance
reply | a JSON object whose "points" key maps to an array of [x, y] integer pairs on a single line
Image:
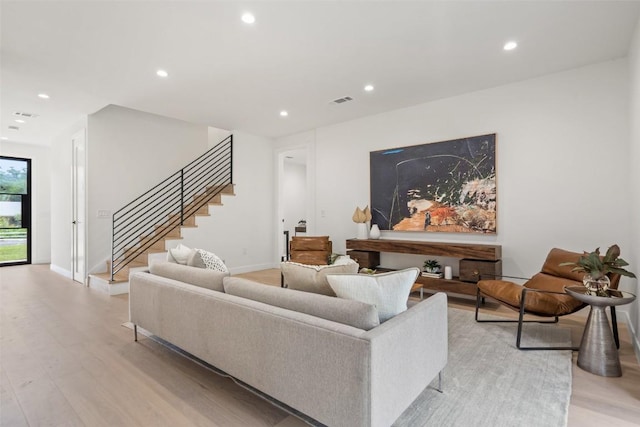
{"points": [[342, 100], [14, 128], [26, 115]]}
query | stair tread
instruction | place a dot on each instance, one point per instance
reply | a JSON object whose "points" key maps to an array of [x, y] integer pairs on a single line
{"points": [[107, 277]]}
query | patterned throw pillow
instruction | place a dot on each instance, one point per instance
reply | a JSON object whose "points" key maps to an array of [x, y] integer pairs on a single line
{"points": [[204, 259], [389, 292]]}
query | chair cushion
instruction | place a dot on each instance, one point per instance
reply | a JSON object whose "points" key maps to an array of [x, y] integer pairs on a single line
{"points": [[539, 303], [313, 278], [557, 256]]}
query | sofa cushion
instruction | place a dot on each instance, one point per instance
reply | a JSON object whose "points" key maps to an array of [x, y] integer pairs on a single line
{"points": [[313, 278], [389, 292], [202, 277], [353, 313]]}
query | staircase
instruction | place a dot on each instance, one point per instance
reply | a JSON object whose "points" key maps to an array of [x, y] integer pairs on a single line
{"points": [[142, 227]]}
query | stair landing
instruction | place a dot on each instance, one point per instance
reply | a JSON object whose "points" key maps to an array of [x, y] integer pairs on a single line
{"points": [[103, 282]]}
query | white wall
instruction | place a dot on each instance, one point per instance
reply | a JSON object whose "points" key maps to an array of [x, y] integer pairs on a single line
{"points": [[61, 214], [562, 140], [40, 196], [129, 152], [634, 161], [241, 231], [215, 135], [294, 195]]}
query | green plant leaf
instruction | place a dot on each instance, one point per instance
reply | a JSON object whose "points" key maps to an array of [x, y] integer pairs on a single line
{"points": [[612, 254], [622, 272], [597, 266]]}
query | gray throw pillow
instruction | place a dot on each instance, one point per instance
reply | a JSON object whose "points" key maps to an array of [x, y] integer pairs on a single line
{"points": [[313, 278]]}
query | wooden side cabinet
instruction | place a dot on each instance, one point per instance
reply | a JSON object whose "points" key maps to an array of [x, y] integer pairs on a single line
{"points": [[476, 260]]}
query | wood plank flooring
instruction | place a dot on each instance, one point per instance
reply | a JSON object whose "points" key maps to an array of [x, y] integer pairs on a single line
{"points": [[66, 359]]}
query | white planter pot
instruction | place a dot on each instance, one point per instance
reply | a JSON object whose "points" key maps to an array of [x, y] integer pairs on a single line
{"points": [[362, 232]]}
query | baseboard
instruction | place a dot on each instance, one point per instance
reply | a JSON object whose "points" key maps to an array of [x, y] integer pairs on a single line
{"points": [[61, 271], [634, 334], [251, 268]]}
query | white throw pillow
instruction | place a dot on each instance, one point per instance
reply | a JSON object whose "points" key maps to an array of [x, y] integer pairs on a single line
{"points": [[389, 292], [204, 259], [180, 254]]}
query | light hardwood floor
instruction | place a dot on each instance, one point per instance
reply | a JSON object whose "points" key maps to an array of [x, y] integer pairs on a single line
{"points": [[66, 359]]}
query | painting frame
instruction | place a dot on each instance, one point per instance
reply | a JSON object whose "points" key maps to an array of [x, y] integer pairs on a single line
{"points": [[446, 186]]}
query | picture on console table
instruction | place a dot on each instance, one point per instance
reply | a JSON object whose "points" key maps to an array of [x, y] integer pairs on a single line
{"points": [[447, 186]]}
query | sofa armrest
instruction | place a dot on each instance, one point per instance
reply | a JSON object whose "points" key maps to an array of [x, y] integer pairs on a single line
{"points": [[407, 353]]}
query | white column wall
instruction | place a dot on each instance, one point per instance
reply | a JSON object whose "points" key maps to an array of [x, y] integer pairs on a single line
{"points": [[634, 165], [40, 196], [61, 207]]}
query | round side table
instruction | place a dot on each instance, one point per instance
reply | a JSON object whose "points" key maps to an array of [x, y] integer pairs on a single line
{"points": [[598, 353]]}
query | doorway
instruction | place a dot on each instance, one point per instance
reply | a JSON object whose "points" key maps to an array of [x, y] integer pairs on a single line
{"points": [[295, 195], [78, 257], [15, 211]]}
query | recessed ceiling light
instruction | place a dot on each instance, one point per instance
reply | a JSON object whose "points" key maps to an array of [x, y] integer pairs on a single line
{"points": [[248, 18], [19, 121], [283, 113], [162, 73], [43, 96], [510, 45], [368, 88], [4, 138]]}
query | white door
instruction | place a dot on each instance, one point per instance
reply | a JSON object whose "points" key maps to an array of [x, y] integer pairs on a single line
{"points": [[78, 258]]}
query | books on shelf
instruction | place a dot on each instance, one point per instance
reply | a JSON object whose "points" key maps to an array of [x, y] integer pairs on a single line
{"points": [[432, 275]]}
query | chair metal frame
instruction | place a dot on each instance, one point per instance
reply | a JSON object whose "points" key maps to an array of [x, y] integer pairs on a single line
{"points": [[480, 298]]}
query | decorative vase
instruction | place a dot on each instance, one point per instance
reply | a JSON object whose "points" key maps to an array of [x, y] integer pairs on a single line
{"points": [[375, 232], [448, 273], [363, 233], [596, 286]]}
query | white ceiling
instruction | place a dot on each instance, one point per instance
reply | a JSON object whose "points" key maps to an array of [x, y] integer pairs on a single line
{"points": [[298, 56]]}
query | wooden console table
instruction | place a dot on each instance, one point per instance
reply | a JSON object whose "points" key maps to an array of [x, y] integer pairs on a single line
{"points": [[476, 252]]}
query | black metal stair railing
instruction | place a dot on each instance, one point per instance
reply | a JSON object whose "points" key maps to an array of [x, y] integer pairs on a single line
{"points": [[146, 220]]}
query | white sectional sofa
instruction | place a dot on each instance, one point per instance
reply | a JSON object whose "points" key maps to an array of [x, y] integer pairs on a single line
{"points": [[326, 357]]}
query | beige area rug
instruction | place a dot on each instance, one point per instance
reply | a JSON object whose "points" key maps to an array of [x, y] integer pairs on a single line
{"points": [[487, 380]]}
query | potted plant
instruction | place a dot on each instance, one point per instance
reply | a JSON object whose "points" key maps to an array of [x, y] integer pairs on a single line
{"points": [[432, 266], [596, 268]]}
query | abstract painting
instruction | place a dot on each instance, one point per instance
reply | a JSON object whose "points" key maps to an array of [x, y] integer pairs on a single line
{"points": [[447, 186]]}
